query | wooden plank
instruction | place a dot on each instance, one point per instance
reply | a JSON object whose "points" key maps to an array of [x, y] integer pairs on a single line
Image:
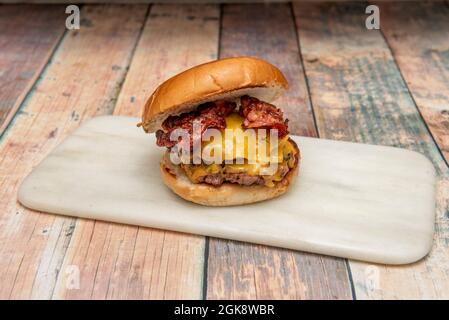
{"points": [[240, 270], [143, 263], [245, 32], [82, 80], [359, 95], [28, 38], [418, 36]]}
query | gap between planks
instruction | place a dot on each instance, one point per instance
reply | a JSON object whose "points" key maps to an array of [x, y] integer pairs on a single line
{"points": [[418, 46], [33, 245], [30, 36], [165, 264], [239, 270], [366, 100]]}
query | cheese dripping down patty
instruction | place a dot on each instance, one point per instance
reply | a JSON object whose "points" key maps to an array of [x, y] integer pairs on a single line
{"points": [[254, 160]]}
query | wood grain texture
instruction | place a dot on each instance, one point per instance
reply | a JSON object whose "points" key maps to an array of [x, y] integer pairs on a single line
{"points": [[245, 31], [246, 271], [419, 38], [28, 37], [72, 88], [128, 262], [359, 95]]}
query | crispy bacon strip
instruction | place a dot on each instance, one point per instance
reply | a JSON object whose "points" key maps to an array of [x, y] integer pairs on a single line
{"points": [[209, 115], [259, 114]]}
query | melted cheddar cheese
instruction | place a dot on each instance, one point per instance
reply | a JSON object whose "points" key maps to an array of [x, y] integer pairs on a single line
{"points": [[235, 144]]}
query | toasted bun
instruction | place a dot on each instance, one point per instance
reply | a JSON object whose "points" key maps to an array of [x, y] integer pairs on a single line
{"points": [[221, 79], [228, 194]]}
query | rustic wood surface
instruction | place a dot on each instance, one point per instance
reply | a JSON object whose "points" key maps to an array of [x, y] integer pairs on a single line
{"points": [[359, 95], [247, 271], [419, 38], [143, 263], [28, 37], [73, 88], [347, 83]]}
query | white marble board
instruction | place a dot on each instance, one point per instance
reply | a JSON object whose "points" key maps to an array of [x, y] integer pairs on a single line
{"points": [[351, 200]]}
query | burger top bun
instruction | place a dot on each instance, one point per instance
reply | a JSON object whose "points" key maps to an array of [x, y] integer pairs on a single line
{"points": [[221, 79]]}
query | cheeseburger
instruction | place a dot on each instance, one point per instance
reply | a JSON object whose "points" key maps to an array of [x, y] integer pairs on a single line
{"points": [[225, 143]]}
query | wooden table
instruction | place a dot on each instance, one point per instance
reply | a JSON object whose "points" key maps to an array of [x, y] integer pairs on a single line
{"points": [[388, 87]]}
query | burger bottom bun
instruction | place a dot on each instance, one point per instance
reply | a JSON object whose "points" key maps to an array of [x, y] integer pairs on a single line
{"points": [[228, 194]]}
